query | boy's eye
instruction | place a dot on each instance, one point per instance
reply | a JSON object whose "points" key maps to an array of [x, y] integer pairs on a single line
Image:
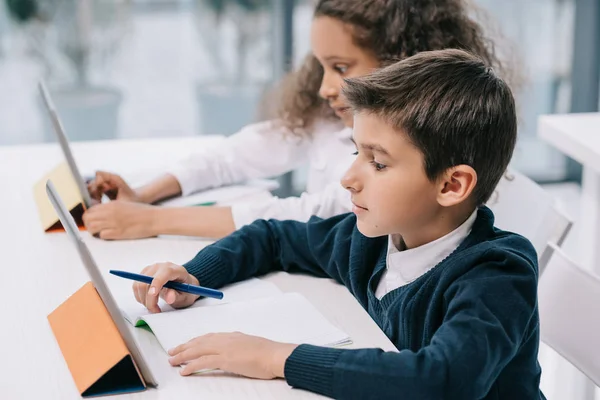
{"points": [[355, 153], [378, 166], [340, 68]]}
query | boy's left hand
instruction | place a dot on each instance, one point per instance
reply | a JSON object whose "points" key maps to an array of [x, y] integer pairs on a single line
{"points": [[241, 354]]}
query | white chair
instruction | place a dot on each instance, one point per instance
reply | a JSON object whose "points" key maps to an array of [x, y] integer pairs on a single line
{"points": [[569, 307], [520, 205]]}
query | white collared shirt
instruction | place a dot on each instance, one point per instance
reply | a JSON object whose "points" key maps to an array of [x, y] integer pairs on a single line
{"points": [[405, 266], [264, 150]]}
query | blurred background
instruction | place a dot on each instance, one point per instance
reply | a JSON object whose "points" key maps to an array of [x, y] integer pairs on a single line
{"points": [[173, 68], [158, 68]]}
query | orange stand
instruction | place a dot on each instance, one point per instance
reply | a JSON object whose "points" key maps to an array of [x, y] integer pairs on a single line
{"points": [[92, 346]]}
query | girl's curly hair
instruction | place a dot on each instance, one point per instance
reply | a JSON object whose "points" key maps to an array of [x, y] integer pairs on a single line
{"points": [[392, 30]]}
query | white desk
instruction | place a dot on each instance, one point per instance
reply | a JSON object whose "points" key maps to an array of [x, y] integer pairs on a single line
{"points": [[578, 136], [48, 270]]}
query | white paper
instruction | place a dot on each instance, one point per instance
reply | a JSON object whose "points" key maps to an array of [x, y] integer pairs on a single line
{"points": [[246, 290], [288, 318]]}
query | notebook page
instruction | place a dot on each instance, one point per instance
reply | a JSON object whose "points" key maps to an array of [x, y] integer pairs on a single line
{"points": [[250, 289], [287, 317]]}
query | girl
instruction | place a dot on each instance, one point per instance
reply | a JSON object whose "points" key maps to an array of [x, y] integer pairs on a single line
{"points": [[349, 38]]}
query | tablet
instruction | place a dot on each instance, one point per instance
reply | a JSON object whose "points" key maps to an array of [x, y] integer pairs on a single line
{"points": [[96, 276], [64, 145]]}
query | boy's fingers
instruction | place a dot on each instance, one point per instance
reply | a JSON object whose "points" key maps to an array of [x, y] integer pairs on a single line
{"points": [[135, 289], [151, 302], [206, 362], [162, 276], [140, 289], [189, 344], [169, 295]]}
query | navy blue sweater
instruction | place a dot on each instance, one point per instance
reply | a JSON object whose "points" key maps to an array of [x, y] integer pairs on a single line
{"points": [[467, 329]]}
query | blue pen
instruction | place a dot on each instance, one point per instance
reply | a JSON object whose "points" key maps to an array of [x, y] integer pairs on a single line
{"points": [[181, 287]]}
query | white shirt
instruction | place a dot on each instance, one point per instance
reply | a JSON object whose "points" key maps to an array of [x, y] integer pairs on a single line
{"points": [[264, 150], [405, 266]]}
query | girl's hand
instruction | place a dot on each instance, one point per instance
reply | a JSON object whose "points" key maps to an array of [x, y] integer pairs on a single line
{"points": [[113, 186], [120, 220], [241, 354]]}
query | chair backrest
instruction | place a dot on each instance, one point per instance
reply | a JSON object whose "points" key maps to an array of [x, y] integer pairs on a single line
{"points": [[520, 205], [569, 307]]}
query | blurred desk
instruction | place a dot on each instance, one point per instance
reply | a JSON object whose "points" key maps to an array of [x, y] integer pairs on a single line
{"points": [[578, 136], [48, 266]]}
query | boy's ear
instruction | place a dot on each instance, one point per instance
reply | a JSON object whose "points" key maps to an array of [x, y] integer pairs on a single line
{"points": [[456, 185]]}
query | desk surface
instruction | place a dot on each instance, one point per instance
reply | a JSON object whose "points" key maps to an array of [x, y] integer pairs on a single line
{"points": [[31, 363], [576, 135]]}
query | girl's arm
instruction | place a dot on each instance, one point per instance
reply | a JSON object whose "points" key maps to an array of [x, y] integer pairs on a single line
{"points": [[261, 150], [331, 201], [128, 220]]}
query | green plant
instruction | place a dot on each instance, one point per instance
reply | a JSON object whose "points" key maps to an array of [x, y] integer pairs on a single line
{"points": [[22, 10], [218, 6]]}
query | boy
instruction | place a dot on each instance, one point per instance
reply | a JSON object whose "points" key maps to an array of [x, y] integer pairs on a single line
{"points": [[434, 134]]}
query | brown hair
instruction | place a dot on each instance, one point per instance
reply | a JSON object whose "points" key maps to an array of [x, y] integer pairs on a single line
{"points": [[452, 107], [393, 30]]}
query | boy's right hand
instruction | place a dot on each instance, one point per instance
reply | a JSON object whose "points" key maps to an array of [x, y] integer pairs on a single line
{"points": [[148, 295], [113, 186]]}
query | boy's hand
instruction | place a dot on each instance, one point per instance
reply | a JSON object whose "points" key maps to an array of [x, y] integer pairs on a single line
{"points": [[113, 186], [148, 295], [241, 354], [120, 220]]}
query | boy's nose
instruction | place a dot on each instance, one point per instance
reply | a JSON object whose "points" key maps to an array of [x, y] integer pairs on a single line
{"points": [[350, 182]]}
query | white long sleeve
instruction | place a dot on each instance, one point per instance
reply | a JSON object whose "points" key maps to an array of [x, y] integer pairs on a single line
{"points": [[331, 201], [259, 150]]}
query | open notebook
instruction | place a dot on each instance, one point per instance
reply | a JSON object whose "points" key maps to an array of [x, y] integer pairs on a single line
{"points": [[287, 317], [250, 289], [254, 307]]}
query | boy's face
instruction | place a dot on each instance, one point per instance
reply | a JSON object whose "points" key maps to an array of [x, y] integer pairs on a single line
{"points": [[390, 191]]}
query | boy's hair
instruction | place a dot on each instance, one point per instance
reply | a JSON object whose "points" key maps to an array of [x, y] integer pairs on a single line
{"points": [[452, 107], [392, 30]]}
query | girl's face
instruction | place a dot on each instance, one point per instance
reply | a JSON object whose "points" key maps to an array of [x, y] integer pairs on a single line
{"points": [[333, 45]]}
